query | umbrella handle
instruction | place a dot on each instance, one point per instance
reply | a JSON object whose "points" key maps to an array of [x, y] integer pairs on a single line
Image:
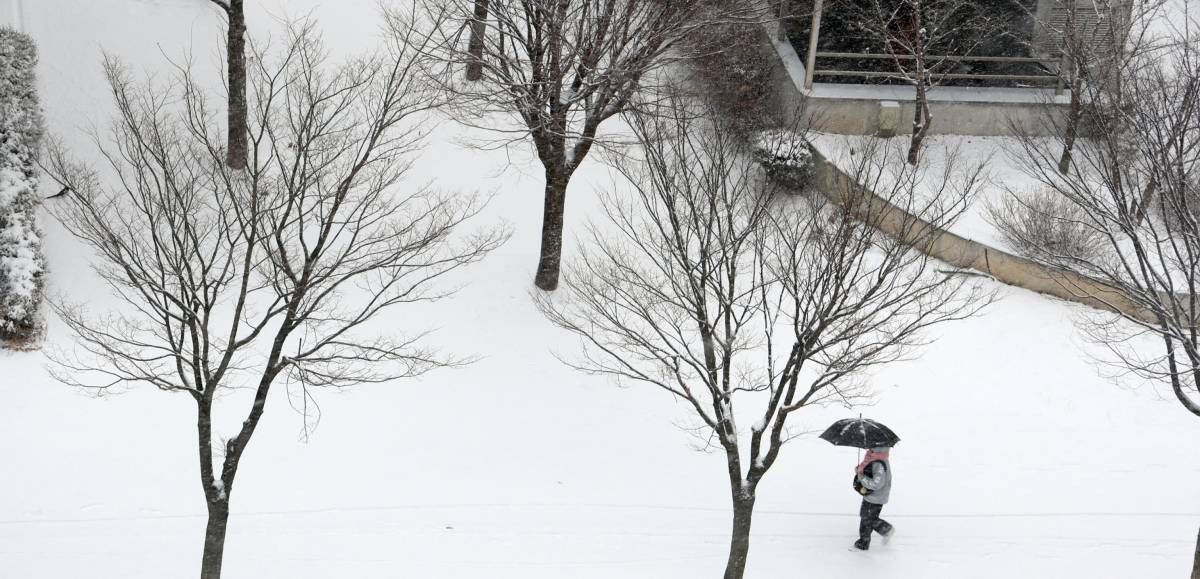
{"points": [[859, 454], [864, 441]]}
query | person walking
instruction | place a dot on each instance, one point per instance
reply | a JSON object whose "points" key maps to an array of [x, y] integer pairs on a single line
{"points": [[873, 480], [872, 476]]}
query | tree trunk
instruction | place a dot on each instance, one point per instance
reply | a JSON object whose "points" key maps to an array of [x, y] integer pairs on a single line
{"points": [[552, 231], [921, 119], [214, 539], [739, 542], [1196, 559], [1143, 204], [918, 136], [1074, 114], [475, 44], [237, 149]]}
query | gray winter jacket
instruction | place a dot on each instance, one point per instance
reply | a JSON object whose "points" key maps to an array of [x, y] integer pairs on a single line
{"points": [[878, 479]]}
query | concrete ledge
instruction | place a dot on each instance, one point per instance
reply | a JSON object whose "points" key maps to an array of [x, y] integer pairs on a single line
{"points": [[942, 94], [860, 116]]}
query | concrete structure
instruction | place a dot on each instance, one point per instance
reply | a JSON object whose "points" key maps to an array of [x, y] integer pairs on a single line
{"points": [[875, 109], [860, 109], [886, 110]]}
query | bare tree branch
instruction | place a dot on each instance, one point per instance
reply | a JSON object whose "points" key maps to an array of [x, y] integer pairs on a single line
{"points": [[707, 282], [1133, 181]]}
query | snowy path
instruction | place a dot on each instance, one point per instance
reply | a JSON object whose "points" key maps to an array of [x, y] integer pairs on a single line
{"points": [[607, 541], [1017, 459]]}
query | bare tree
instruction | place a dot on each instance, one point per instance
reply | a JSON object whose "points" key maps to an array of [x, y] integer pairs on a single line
{"points": [[240, 279], [1099, 41], [1150, 250], [237, 149], [925, 39], [562, 67], [1095, 39], [707, 283]]}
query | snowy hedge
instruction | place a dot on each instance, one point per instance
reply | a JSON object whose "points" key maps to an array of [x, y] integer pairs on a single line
{"points": [[22, 266], [785, 155]]}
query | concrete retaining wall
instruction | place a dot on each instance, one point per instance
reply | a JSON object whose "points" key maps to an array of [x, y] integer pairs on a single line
{"points": [[842, 189], [861, 116]]}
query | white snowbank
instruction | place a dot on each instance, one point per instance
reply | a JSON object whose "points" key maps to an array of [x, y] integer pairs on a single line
{"points": [[1017, 459]]}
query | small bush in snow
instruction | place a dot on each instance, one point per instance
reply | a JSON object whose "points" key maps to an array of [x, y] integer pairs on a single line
{"points": [[22, 266], [1045, 226], [786, 156]]}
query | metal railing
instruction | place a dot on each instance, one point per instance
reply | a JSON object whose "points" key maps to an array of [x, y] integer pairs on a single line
{"points": [[1056, 68], [1051, 76]]}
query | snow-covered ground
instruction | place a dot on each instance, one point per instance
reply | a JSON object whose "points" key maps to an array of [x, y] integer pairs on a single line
{"points": [[1017, 458]]}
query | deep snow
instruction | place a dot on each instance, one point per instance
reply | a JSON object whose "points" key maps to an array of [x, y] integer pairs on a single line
{"points": [[1017, 459]]}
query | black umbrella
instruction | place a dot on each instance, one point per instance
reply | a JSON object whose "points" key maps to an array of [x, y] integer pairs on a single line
{"points": [[860, 433]]}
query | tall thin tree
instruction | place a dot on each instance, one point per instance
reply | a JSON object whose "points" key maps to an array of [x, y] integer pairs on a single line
{"points": [[237, 280], [709, 284], [925, 39], [1095, 39], [561, 68]]}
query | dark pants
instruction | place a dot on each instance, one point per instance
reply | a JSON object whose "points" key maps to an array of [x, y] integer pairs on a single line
{"points": [[869, 521]]}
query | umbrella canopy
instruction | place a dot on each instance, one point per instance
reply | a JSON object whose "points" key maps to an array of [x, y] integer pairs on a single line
{"points": [[860, 433]]}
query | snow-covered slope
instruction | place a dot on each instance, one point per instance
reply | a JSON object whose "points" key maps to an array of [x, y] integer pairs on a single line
{"points": [[1017, 459]]}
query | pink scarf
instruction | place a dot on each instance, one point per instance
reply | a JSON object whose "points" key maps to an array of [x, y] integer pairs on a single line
{"points": [[871, 457]]}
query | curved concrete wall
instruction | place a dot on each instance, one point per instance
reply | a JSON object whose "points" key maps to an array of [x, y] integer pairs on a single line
{"points": [[842, 189]]}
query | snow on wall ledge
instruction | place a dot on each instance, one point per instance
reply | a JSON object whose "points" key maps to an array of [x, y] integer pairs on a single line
{"points": [[22, 266]]}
